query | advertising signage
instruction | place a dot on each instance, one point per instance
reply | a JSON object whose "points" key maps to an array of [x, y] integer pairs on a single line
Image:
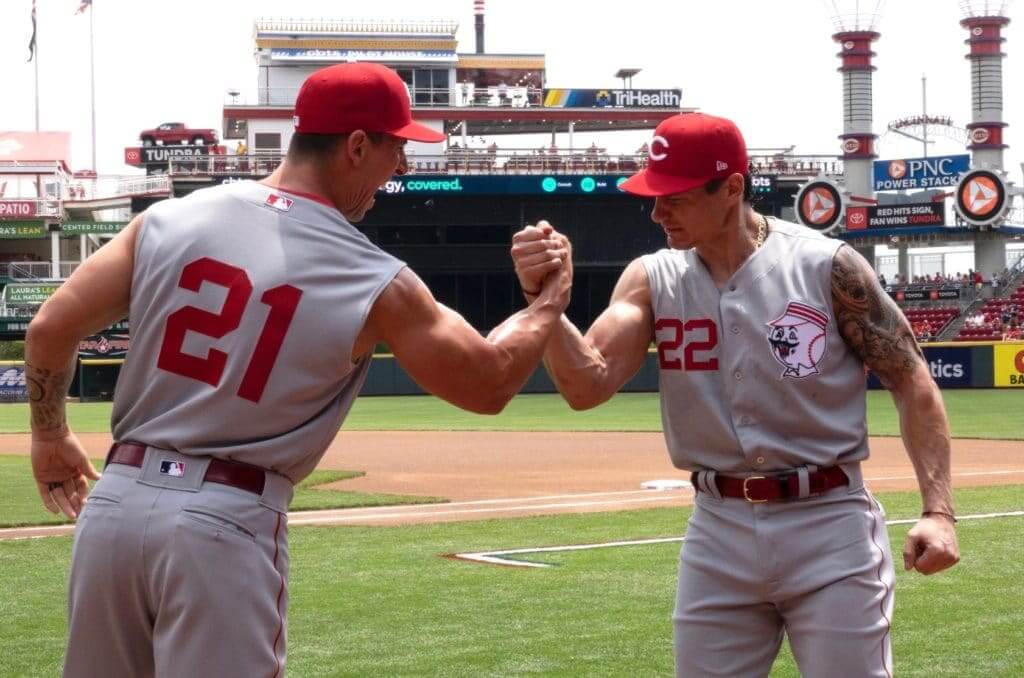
{"points": [[915, 173], [950, 367], [613, 98], [17, 230], [29, 293], [91, 227], [927, 293], [504, 185], [895, 216], [17, 209]]}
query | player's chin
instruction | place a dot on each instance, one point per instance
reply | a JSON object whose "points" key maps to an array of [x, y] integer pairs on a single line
{"points": [[677, 241]]}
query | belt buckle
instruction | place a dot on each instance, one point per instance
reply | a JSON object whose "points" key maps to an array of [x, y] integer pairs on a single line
{"points": [[746, 490]]}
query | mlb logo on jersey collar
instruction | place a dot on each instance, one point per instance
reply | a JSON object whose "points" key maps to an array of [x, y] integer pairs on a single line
{"points": [[175, 469], [279, 202]]}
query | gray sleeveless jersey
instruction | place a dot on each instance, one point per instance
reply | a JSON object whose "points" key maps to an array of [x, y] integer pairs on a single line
{"points": [[245, 306], [755, 376]]}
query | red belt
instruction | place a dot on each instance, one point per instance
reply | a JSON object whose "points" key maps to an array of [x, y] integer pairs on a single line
{"points": [[232, 473], [758, 489]]}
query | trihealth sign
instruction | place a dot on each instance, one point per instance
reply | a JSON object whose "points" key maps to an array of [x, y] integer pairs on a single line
{"points": [[915, 173], [504, 185], [613, 98]]}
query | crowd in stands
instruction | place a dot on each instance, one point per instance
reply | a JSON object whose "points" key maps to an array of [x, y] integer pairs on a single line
{"points": [[969, 279], [998, 319], [927, 323]]}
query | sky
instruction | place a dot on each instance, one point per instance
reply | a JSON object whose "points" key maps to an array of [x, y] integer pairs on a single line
{"points": [[768, 64]]}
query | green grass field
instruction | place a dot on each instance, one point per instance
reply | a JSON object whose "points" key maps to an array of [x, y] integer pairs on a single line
{"points": [[382, 601], [972, 413], [20, 504]]}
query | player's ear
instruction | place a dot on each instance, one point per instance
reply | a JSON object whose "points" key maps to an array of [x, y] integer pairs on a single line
{"points": [[357, 146]]}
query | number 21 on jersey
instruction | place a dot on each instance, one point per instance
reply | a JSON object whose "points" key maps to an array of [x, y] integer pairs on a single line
{"points": [[696, 337], [282, 300]]}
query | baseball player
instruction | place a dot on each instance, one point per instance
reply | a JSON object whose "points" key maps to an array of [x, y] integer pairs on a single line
{"points": [[254, 310], [763, 329]]}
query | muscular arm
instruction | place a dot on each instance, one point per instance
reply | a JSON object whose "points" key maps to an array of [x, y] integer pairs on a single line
{"points": [[93, 298], [447, 357], [589, 369], [877, 331]]}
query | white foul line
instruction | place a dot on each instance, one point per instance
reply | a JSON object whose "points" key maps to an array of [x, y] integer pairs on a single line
{"points": [[497, 557]]}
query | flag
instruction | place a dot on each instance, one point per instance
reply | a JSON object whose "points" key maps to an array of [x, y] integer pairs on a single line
{"points": [[32, 41], [86, 4]]}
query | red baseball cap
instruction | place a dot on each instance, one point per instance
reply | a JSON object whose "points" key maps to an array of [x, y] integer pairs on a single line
{"points": [[346, 97], [689, 150]]}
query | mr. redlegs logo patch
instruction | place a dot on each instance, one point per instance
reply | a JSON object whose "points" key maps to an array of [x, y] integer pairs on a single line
{"points": [[797, 339]]}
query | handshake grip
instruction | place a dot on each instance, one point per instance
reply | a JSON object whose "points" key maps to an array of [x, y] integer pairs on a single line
{"points": [[543, 261]]}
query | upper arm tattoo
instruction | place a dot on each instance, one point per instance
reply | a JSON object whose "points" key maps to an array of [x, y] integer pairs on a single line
{"points": [[870, 321]]}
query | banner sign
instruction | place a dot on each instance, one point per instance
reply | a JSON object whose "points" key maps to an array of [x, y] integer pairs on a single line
{"points": [[896, 216], [17, 230], [933, 294], [17, 209], [12, 384], [950, 367], [154, 155], [29, 293], [91, 227], [347, 55], [910, 173], [613, 98], [104, 346], [1009, 365], [473, 184]]}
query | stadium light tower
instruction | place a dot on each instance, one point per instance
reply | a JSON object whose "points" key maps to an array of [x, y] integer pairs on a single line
{"points": [[855, 23], [984, 21]]}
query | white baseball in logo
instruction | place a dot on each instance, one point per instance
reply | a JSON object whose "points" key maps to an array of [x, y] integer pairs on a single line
{"points": [[658, 139]]}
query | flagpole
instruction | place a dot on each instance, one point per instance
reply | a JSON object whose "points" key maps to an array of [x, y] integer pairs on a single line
{"points": [[92, 84], [35, 57]]}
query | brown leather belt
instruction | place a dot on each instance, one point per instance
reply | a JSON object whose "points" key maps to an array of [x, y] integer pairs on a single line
{"points": [[758, 489], [232, 473]]}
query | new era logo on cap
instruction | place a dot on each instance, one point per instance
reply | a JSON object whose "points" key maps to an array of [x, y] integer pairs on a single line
{"points": [[279, 202], [721, 166], [175, 469]]}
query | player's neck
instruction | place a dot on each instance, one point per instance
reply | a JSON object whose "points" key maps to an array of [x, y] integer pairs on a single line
{"points": [[724, 255]]}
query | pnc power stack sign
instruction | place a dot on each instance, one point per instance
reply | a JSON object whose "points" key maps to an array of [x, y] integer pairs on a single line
{"points": [[918, 173]]}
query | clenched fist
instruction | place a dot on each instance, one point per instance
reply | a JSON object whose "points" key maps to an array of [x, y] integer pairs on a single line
{"points": [[538, 251]]}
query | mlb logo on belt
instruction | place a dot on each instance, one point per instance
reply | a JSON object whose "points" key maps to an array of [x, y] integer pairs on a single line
{"points": [[175, 469], [279, 202]]}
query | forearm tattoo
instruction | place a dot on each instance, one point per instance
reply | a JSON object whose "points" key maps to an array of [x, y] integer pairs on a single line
{"points": [[870, 322], [46, 392]]}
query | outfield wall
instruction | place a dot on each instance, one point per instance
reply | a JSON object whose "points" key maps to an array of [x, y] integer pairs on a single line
{"points": [[954, 365]]}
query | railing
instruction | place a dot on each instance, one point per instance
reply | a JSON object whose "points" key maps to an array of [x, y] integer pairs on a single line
{"points": [[370, 26], [116, 186], [455, 161], [504, 161], [459, 95], [797, 165], [36, 270]]}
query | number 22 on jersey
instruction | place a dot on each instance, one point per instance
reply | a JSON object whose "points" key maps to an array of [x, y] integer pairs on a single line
{"points": [[698, 335], [282, 300]]}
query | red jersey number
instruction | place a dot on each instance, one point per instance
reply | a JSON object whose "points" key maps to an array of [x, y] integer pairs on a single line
{"points": [[283, 300], [690, 362]]}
